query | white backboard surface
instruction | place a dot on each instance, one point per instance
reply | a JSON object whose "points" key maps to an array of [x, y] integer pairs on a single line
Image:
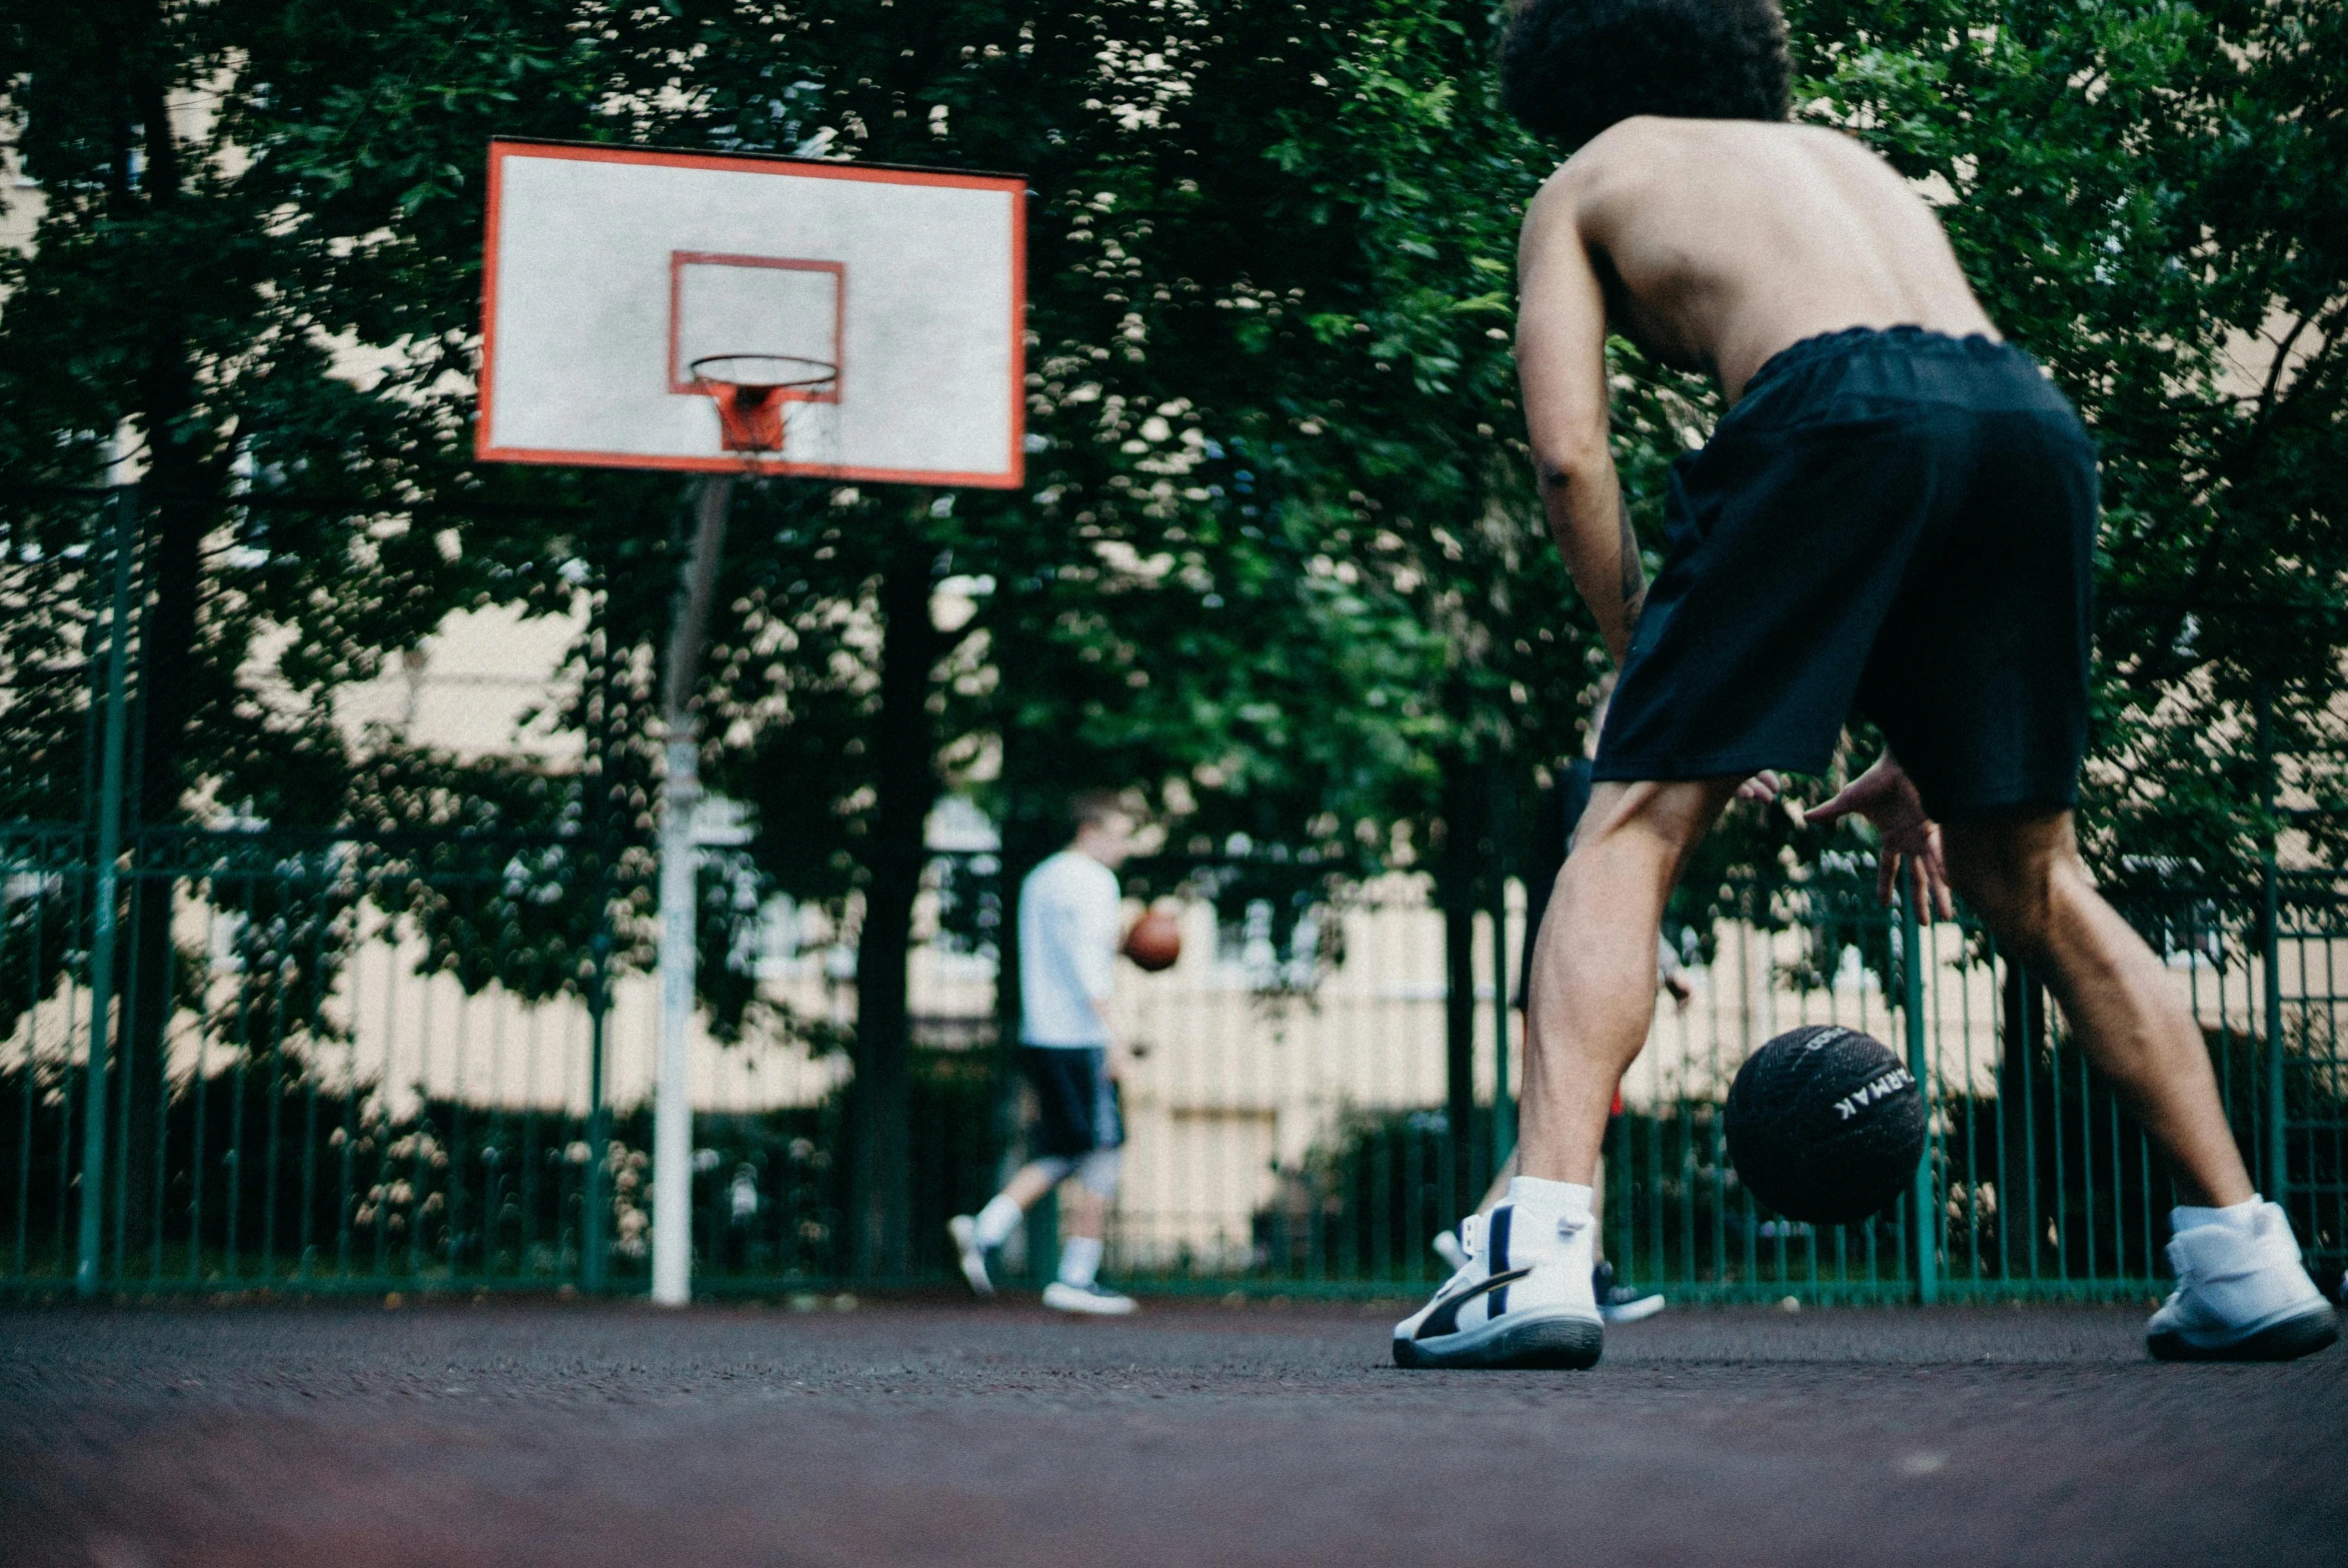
{"points": [[609, 270]]}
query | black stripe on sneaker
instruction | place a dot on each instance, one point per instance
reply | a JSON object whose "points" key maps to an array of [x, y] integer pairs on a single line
{"points": [[1496, 1239], [1445, 1319]]}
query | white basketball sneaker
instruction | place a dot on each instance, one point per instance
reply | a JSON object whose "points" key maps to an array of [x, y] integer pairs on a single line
{"points": [[2243, 1294], [965, 1231], [1523, 1298], [1093, 1300]]}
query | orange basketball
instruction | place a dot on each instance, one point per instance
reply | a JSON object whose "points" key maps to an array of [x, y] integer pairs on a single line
{"points": [[1155, 942]]}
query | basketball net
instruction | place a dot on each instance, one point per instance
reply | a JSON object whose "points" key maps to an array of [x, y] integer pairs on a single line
{"points": [[754, 394]]}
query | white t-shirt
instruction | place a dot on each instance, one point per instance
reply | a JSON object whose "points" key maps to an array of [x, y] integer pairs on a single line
{"points": [[1069, 917]]}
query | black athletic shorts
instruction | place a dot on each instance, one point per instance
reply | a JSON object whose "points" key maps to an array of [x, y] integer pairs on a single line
{"points": [[1076, 1099], [1894, 521]]}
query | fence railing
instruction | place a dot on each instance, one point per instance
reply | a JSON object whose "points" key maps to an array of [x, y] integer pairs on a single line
{"points": [[353, 1064]]}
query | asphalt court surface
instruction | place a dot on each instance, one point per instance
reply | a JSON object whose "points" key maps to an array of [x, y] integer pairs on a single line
{"points": [[926, 1433]]}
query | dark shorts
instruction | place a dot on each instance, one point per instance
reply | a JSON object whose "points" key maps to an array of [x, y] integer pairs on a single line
{"points": [[1075, 1098], [1897, 523]]}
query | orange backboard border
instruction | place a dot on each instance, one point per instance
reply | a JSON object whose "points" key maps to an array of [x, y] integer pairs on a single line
{"points": [[1012, 474]]}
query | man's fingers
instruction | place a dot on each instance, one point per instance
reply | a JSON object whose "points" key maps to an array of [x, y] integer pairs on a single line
{"points": [[1838, 805], [1935, 861], [1886, 867]]}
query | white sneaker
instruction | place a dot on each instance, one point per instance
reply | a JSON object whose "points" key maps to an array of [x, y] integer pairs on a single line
{"points": [[965, 1231], [1096, 1299], [1620, 1303], [1520, 1300], [2242, 1296], [1629, 1304]]}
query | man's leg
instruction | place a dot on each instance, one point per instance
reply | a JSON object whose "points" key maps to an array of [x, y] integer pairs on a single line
{"points": [[1525, 1297], [1084, 1205], [2027, 882], [1084, 1212], [976, 1235], [1034, 1179], [1593, 965], [2243, 1293]]}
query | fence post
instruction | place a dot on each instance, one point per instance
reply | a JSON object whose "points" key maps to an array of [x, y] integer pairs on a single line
{"points": [[1503, 1103], [102, 941], [594, 1222], [595, 1217], [1924, 1242], [2278, 1179]]}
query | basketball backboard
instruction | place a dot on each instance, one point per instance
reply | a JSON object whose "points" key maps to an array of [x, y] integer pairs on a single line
{"points": [[610, 271]]}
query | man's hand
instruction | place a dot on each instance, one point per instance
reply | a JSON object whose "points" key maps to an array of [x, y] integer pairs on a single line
{"points": [[1761, 787], [1884, 796]]}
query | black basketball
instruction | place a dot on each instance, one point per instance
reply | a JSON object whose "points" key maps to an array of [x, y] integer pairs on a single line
{"points": [[1825, 1125]]}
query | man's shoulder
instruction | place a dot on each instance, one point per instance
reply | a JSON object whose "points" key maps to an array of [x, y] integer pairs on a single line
{"points": [[1069, 872], [1622, 179], [1648, 146], [1048, 869]]}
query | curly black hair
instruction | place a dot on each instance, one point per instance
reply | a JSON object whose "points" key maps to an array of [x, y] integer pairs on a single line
{"points": [[1570, 68]]}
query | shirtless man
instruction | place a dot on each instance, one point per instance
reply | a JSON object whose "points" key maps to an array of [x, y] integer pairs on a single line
{"points": [[1897, 513]]}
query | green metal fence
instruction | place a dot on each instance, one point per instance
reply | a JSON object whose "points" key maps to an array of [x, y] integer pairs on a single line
{"points": [[407, 1062], [2035, 1185]]}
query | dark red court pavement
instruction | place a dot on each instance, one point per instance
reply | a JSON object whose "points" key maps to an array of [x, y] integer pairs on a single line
{"points": [[587, 1434]]}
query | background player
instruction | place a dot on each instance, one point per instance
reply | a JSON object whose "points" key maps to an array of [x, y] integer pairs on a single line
{"points": [[1897, 512], [1068, 925]]}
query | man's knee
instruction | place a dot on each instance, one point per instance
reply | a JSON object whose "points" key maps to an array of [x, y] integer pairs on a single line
{"points": [[1052, 1169], [2010, 873], [1663, 818], [1096, 1172]]}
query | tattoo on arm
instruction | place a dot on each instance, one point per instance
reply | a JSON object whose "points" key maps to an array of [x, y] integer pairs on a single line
{"points": [[1635, 573]]}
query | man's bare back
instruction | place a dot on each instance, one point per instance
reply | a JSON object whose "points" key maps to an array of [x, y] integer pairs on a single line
{"points": [[1720, 242], [1714, 243]]}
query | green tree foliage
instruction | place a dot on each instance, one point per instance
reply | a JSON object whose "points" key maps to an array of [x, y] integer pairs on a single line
{"points": [[2151, 199]]}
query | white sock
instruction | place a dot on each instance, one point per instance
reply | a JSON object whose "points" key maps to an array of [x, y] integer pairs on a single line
{"points": [[2242, 1216], [997, 1221], [1548, 1202], [1080, 1260]]}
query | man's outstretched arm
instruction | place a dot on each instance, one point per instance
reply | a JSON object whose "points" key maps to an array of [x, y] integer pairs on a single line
{"points": [[1561, 359]]}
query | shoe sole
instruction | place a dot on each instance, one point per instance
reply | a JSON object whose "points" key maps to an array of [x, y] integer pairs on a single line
{"points": [[2302, 1333], [1126, 1310], [1570, 1344]]}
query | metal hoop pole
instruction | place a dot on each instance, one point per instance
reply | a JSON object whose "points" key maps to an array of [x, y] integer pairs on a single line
{"points": [[680, 809]]}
